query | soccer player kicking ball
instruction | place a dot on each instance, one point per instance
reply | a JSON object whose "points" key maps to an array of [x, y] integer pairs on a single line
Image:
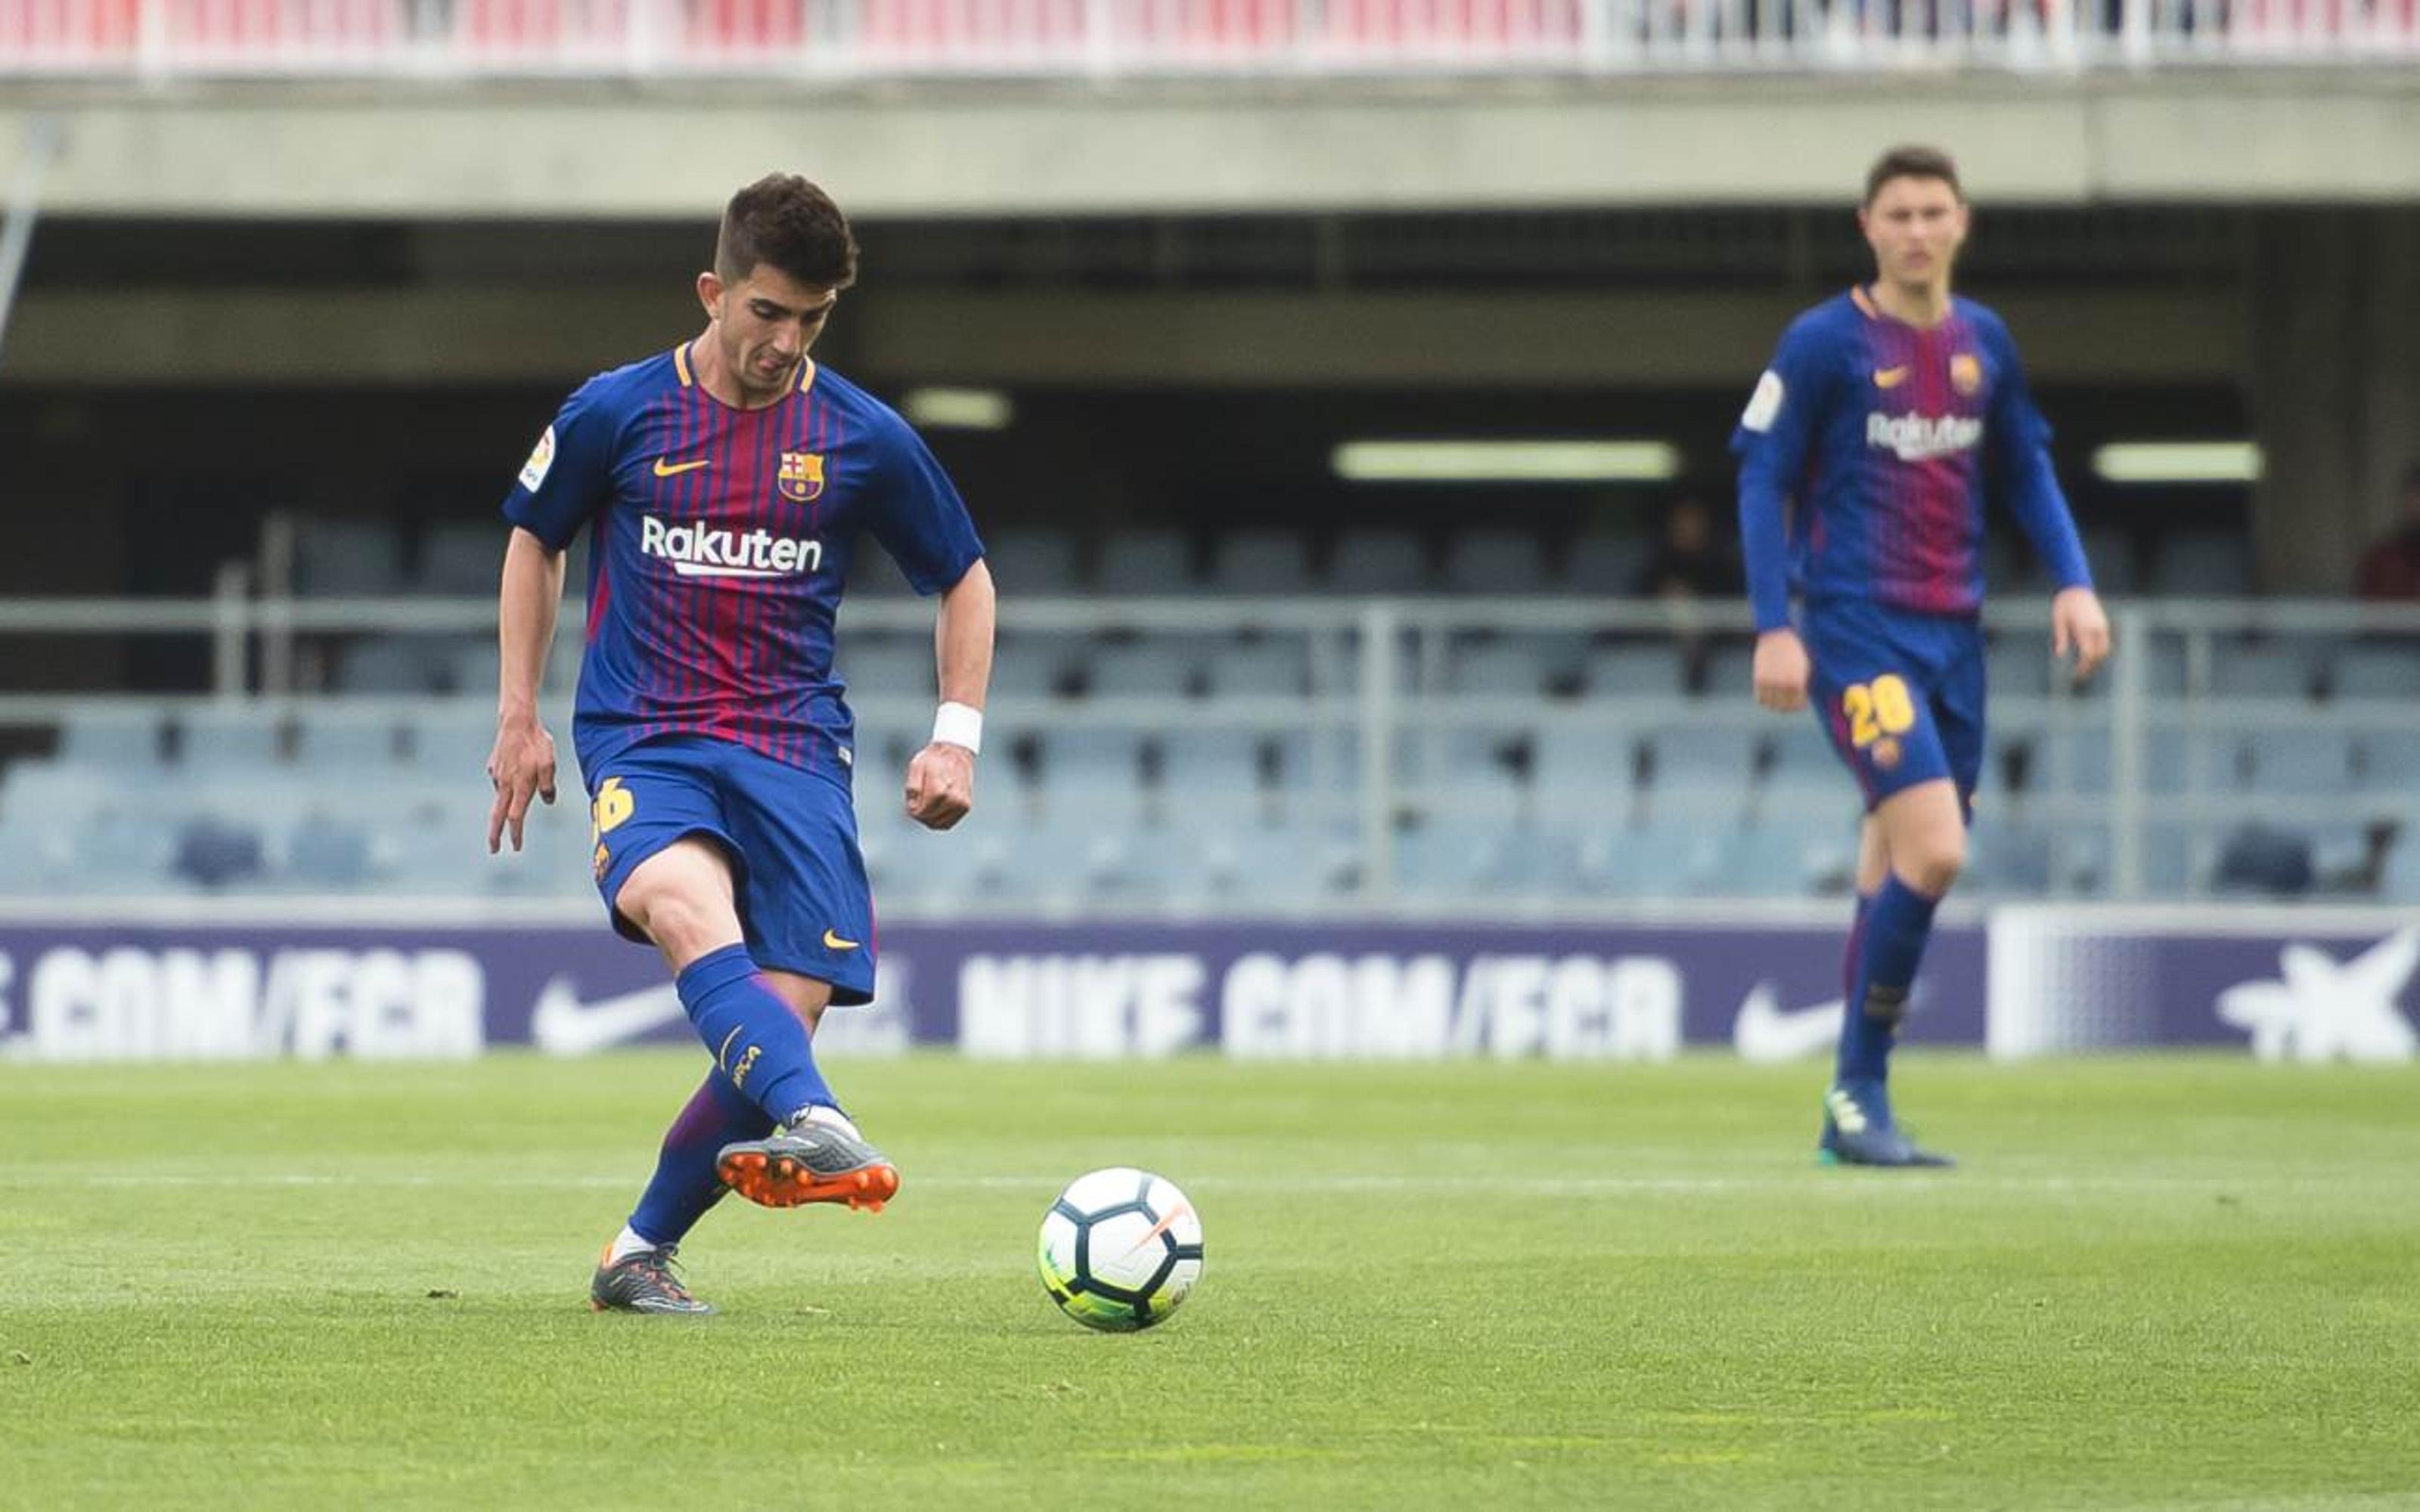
{"points": [[1864, 453], [729, 481]]}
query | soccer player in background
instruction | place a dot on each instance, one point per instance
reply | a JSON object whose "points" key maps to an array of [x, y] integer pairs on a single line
{"points": [[1865, 454], [729, 483]]}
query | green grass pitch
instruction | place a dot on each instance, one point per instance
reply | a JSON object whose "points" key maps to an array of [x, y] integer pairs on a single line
{"points": [[2154, 1283]]}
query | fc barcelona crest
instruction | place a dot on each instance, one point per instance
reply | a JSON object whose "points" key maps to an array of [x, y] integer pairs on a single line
{"points": [[802, 476], [1966, 372]]}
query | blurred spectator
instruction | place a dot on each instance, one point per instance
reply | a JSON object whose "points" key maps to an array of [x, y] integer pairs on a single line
{"points": [[214, 854], [2260, 859], [1690, 562], [2390, 569]]}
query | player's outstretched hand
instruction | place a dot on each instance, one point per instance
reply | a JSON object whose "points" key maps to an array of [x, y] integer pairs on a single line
{"points": [[2077, 625], [1782, 671], [521, 767], [940, 785]]}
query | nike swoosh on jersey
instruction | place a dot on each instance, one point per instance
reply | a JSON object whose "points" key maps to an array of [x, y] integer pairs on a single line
{"points": [[833, 942], [1889, 378], [668, 468]]}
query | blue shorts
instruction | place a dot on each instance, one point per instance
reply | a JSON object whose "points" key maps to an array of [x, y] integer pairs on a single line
{"points": [[1899, 694], [791, 835]]}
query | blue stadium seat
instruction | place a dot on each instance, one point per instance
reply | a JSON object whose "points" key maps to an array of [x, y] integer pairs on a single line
{"points": [[473, 667], [1657, 858], [1497, 668], [2202, 564], [326, 852], [2388, 759], [1728, 673], [1258, 866], [2272, 670], [1780, 858], [1374, 561], [1034, 563], [2400, 882], [1606, 564], [2377, 673], [2018, 667], [2176, 859], [1703, 759], [1653, 669], [2008, 857], [1259, 563], [885, 666], [1144, 669], [1503, 563], [454, 746], [1144, 562], [1092, 772], [351, 558], [2166, 665], [1799, 760], [331, 740], [432, 838], [40, 849], [118, 740], [1593, 763], [238, 739], [1209, 779], [1278, 668], [2295, 761], [1027, 663], [1461, 857], [397, 664], [463, 559]]}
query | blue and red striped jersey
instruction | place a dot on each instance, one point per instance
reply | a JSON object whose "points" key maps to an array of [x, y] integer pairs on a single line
{"points": [[722, 537], [1866, 453]]}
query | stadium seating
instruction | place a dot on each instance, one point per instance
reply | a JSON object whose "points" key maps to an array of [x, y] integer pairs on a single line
{"points": [[1261, 563], [1158, 765], [1497, 561], [1379, 562], [1144, 562], [2202, 564]]}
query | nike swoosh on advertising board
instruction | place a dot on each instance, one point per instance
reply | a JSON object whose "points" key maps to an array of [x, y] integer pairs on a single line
{"points": [[562, 1024], [1764, 1033]]}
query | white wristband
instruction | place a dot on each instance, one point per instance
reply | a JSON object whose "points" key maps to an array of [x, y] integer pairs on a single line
{"points": [[958, 724]]}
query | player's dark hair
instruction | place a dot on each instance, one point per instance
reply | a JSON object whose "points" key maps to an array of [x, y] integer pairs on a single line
{"points": [[1912, 162], [783, 220]]}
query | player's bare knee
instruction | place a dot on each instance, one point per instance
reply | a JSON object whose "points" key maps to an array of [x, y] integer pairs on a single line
{"points": [[1931, 869], [685, 922]]}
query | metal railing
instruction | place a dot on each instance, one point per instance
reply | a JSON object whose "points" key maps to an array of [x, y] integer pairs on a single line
{"points": [[1385, 708], [408, 41]]}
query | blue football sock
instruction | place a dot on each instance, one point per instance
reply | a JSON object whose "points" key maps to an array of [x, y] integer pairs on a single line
{"points": [[685, 1185], [754, 1037], [1892, 933]]}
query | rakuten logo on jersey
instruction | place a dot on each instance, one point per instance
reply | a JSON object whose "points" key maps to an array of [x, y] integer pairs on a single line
{"points": [[1914, 437], [697, 551]]}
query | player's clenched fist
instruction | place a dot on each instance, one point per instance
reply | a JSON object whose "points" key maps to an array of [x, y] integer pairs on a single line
{"points": [[940, 785], [1781, 669], [520, 766]]}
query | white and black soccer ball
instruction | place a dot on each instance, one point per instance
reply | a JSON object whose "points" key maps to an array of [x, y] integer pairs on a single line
{"points": [[1120, 1249]]}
